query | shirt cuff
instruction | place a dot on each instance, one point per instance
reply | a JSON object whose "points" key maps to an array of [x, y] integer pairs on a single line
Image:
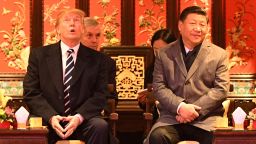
{"points": [[81, 119], [180, 106]]}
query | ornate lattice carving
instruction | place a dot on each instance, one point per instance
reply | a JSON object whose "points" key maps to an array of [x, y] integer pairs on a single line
{"points": [[129, 75]]}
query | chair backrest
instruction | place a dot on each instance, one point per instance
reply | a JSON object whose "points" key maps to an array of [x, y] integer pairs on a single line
{"points": [[131, 63]]}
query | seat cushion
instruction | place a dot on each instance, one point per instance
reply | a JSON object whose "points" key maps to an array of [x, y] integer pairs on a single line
{"points": [[70, 142]]}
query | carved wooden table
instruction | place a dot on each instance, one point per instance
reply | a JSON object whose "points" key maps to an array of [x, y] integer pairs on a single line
{"points": [[234, 136], [26, 136]]}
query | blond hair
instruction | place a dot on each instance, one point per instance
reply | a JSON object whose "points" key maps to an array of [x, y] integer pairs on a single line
{"points": [[67, 11]]}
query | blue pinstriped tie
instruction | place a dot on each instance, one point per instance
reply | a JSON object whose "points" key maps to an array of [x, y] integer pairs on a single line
{"points": [[67, 81]]}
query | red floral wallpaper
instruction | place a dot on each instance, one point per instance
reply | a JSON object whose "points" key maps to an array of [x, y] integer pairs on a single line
{"points": [[240, 36], [108, 13], [150, 15], [14, 35]]}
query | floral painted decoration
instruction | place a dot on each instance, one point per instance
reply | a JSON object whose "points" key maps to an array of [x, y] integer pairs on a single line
{"points": [[109, 24], [252, 114], [14, 45], [150, 21], [238, 51]]}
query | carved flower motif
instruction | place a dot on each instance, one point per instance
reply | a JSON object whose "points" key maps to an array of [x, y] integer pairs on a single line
{"points": [[109, 24], [15, 40], [150, 21], [238, 51]]}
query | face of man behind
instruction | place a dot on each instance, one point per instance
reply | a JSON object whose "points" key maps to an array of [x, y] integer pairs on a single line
{"points": [[91, 37]]}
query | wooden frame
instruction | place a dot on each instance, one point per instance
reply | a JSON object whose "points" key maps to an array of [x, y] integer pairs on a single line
{"points": [[128, 22], [8, 80], [36, 23], [219, 23], [172, 15], [244, 86]]}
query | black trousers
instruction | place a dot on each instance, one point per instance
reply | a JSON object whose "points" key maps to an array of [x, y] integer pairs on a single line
{"points": [[93, 131], [173, 134]]}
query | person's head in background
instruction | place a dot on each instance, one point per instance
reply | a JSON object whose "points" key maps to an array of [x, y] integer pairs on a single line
{"points": [[92, 34], [161, 38], [69, 26], [193, 26]]}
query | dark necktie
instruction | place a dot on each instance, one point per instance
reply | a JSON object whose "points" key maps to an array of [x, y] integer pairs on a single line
{"points": [[67, 81]]}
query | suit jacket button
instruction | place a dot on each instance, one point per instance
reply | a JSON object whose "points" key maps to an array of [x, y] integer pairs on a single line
{"points": [[187, 82]]}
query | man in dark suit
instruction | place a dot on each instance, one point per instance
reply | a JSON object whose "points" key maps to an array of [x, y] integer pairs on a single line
{"points": [[68, 96], [190, 81], [91, 39]]}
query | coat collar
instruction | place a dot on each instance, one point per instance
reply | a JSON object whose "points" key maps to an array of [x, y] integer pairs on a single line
{"points": [[202, 54], [54, 62], [82, 61], [175, 50]]}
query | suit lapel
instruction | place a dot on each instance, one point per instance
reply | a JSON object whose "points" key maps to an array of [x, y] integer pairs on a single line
{"points": [[177, 54], [202, 54], [81, 62], [54, 63]]}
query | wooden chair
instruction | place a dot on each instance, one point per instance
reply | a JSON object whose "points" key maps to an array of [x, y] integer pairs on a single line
{"points": [[148, 114]]}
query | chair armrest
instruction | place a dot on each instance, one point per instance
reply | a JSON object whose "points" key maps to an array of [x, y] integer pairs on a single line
{"points": [[148, 116], [114, 116]]}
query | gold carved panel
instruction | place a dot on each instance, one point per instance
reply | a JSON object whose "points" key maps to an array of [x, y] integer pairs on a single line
{"points": [[129, 75]]}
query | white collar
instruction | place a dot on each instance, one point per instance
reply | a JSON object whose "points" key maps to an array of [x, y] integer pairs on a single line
{"points": [[64, 48]]}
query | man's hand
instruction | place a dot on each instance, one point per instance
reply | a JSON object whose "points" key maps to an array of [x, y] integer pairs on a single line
{"points": [[187, 113], [180, 119], [73, 123], [55, 123], [142, 95]]}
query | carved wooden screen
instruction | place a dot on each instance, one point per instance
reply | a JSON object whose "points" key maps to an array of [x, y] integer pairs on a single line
{"points": [[131, 63]]}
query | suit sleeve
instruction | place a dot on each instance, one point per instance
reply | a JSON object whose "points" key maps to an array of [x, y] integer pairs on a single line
{"points": [[168, 100], [96, 103], [216, 95], [33, 94]]}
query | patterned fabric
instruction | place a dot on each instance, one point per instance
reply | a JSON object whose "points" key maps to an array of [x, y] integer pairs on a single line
{"points": [[67, 81]]}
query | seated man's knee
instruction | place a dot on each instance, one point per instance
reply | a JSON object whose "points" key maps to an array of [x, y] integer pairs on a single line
{"points": [[100, 124], [156, 134], [163, 135]]}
